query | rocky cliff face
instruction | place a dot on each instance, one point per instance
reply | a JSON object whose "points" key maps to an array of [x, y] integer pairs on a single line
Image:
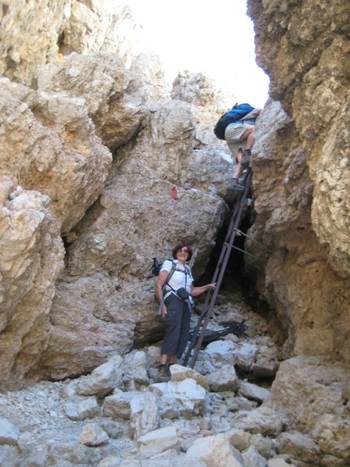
{"points": [[74, 91], [301, 172]]}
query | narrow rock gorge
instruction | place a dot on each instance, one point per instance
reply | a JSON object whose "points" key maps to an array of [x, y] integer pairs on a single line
{"points": [[104, 167]]}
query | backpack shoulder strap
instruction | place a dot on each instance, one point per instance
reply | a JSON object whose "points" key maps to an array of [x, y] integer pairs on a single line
{"points": [[171, 272]]}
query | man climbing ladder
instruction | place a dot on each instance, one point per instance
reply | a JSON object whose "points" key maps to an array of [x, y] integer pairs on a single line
{"points": [[237, 126]]}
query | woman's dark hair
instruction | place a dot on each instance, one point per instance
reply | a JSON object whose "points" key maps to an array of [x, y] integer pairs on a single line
{"points": [[179, 247]]}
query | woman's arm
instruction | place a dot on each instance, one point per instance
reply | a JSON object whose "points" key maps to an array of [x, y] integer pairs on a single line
{"points": [[196, 291], [162, 277]]}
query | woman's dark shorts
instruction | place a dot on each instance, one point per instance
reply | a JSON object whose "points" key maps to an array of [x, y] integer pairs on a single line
{"points": [[177, 328]]}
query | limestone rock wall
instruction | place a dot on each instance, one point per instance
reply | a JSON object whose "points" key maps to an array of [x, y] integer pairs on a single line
{"points": [[49, 144], [301, 172], [107, 292], [115, 95], [79, 226], [31, 257], [38, 32]]}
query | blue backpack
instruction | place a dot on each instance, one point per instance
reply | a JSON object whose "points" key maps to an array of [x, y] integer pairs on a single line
{"points": [[237, 112]]}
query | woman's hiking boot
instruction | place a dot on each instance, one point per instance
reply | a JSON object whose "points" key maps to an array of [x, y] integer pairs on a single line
{"points": [[164, 373]]}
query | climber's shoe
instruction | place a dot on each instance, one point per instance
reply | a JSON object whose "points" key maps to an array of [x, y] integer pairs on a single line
{"points": [[236, 186], [246, 157]]}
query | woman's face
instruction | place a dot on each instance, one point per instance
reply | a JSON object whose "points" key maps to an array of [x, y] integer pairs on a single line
{"points": [[182, 254]]}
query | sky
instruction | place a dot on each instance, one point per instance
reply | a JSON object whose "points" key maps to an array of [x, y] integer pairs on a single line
{"points": [[214, 37]]}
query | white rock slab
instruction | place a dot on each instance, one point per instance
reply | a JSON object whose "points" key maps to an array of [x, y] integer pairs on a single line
{"points": [[188, 387], [102, 380], [245, 355], [179, 373], [264, 445], [239, 439], [134, 368], [158, 441], [118, 404], [188, 396], [144, 416], [252, 391], [9, 432], [9, 456], [93, 435], [263, 420], [214, 451], [223, 379], [80, 408], [221, 352], [252, 458]]}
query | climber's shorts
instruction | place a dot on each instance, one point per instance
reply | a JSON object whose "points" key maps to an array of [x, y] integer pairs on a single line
{"points": [[235, 131]]}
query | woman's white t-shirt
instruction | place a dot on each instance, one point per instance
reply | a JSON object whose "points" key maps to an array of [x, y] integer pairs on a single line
{"points": [[178, 279]]}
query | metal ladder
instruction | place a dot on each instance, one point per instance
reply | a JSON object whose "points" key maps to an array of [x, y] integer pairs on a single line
{"points": [[233, 229]]}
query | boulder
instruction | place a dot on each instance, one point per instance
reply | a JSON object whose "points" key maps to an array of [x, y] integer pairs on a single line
{"points": [[157, 441], [134, 369], [187, 395], [179, 373], [31, 257], [102, 380], [245, 356], [118, 405], [299, 446], [254, 392], [144, 415], [252, 458], [221, 352], [93, 317], [239, 439], [310, 393], [214, 451], [114, 429], [332, 435], [93, 435], [263, 420], [265, 445], [223, 379], [80, 408], [8, 456], [9, 433]]}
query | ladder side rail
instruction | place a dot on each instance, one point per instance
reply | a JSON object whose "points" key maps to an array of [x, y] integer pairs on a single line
{"points": [[214, 279]]}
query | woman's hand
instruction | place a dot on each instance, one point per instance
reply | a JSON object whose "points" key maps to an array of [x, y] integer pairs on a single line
{"points": [[196, 291], [164, 311]]}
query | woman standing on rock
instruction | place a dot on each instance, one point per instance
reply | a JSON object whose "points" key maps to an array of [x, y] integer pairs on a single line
{"points": [[174, 291]]}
